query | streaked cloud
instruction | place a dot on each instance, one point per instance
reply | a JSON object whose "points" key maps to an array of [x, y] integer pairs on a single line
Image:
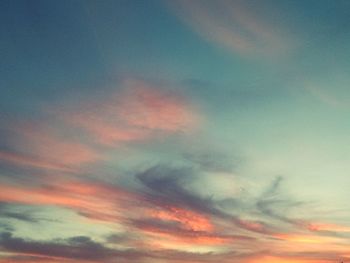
{"points": [[235, 25], [138, 112], [41, 147], [329, 95]]}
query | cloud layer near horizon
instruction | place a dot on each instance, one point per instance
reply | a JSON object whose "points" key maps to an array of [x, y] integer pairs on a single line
{"points": [[158, 215]]}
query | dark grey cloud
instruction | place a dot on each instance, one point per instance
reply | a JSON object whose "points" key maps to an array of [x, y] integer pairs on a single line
{"points": [[6, 227], [27, 258], [167, 186], [11, 212], [273, 204], [119, 238], [21, 212], [80, 247], [18, 216], [83, 248]]}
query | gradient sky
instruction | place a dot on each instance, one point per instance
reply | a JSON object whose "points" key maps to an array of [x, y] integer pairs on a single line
{"points": [[175, 131]]}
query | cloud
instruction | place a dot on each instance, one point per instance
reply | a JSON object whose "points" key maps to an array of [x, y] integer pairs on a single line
{"points": [[234, 25], [138, 112], [40, 146], [84, 249], [186, 218], [161, 214], [275, 206], [80, 247], [284, 259], [328, 227], [92, 200], [173, 233], [7, 211], [165, 210], [166, 185], [75, 136], [332, 97], [162, 221], [6, 227], [25, 160]]}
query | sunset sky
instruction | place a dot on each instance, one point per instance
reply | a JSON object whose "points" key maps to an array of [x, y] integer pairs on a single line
{"points": [[192, 131]]}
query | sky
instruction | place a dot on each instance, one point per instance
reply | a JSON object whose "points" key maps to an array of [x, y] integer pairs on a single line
{"points": [[191, 131]]}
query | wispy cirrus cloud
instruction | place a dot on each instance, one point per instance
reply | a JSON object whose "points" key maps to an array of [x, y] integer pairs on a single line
{"points": [[331, 95], [139, 111], [234, 25], [162, 215], [92, 200], [78, 134], [43, 147]]}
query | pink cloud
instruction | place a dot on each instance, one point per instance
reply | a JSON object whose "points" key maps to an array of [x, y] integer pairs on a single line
{"points": [[42, 146], [316, 227], [93, 200], [112, 204], [72, 137], [151, 108], [24, 160], [137, 113], [253, 226]]}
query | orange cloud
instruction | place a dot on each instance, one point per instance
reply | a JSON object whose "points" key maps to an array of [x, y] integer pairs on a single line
{"points": [[114, 205], [162, 238], [272, 259], [188, 219], [95, 201], [189, 228], [306, 239]]}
